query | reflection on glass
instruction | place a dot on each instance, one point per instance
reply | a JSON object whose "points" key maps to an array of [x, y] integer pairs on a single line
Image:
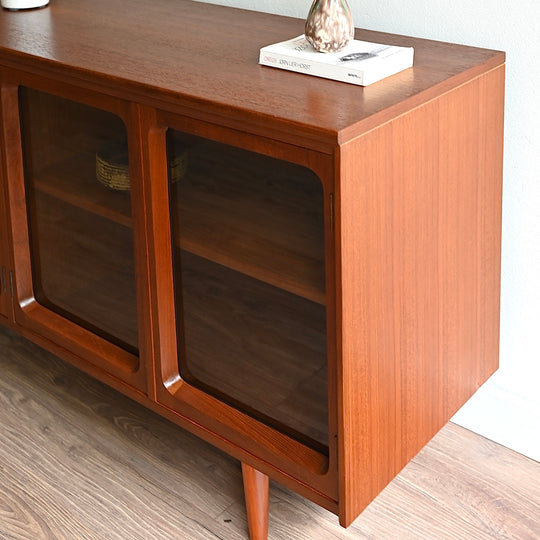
{"points": [[80, 229], [248, 236]]}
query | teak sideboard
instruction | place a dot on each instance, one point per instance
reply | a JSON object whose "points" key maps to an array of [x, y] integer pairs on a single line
{"points": [[302, 272]]}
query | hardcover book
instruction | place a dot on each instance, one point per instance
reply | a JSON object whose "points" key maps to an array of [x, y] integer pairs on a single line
{"points": [[361, 62]]}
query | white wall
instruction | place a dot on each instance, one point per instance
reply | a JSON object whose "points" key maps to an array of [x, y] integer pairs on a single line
{"points": [[507, 408]]}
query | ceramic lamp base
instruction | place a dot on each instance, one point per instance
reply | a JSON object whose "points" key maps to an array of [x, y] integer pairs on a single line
{"points": [[23, 4]]}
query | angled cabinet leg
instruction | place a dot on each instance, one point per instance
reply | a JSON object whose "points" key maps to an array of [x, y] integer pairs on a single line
{"points": [[256, 490]]}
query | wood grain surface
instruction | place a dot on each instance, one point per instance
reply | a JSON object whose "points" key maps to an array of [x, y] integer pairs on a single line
{"points": [[80, 461], [420, 279], [169, 52]]}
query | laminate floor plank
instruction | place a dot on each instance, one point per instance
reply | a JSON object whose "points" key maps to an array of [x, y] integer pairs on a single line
{"points": [[79, 461]]}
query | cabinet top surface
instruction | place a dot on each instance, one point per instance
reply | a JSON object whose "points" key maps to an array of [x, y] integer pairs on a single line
{"points": [[184, 55]]}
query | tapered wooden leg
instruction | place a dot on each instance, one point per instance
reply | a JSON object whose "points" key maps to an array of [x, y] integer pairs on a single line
{"points": [[256, 491]]}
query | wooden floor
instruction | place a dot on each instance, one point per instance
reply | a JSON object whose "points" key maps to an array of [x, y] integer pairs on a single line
{"points": [[79, 461]]}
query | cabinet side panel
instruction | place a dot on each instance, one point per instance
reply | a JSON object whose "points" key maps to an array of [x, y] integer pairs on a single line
{"points": [[419, 221]]}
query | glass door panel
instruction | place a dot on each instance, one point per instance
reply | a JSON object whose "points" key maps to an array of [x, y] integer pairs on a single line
{"points": [[249, 271], [79, 214]]}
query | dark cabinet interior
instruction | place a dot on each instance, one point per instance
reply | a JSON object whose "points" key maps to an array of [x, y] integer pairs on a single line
{"points": [[249, 278], [80, 231]]}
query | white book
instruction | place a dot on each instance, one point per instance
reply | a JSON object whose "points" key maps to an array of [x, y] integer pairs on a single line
{"points": [[361, 62]]}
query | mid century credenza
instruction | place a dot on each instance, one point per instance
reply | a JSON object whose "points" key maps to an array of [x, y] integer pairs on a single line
{"points": [[302, 272]]}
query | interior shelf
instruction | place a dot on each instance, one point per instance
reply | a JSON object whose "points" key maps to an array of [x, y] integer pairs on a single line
{"points": [[254, 214], [74, 182], [262, 219], [255, 346]]}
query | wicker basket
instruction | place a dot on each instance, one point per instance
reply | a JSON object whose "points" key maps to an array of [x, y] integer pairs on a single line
{"points": [[112, 169]]}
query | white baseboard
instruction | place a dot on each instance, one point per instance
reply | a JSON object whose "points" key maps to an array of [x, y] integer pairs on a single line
{"points": [[508, 419]]}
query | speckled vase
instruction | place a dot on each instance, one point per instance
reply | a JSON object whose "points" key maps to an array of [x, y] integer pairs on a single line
{"points": [[329, 25]]}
